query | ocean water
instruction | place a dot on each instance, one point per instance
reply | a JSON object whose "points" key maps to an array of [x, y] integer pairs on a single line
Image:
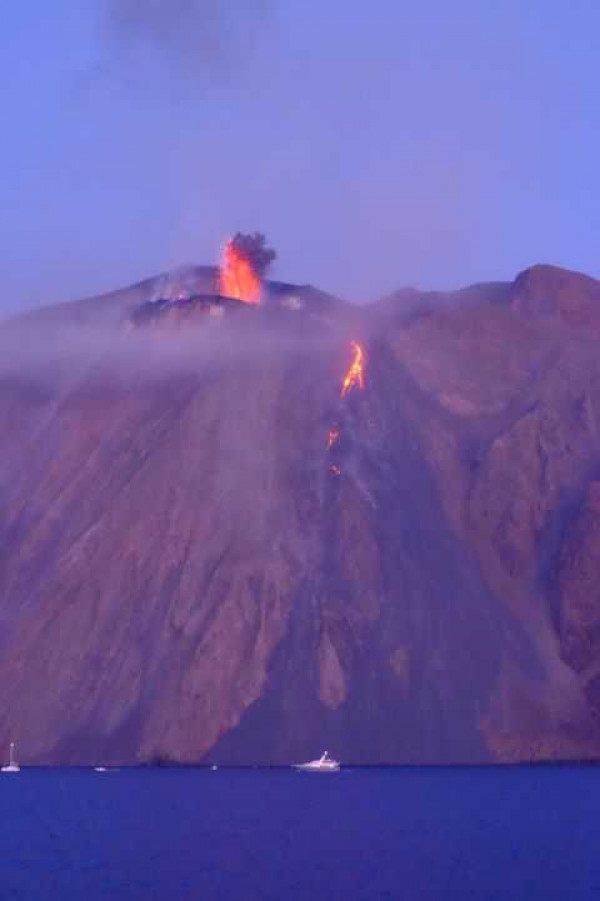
{"points": [[519, 834]]}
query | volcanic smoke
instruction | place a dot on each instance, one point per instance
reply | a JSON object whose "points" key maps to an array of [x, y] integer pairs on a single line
{"points": [[237, 277]]}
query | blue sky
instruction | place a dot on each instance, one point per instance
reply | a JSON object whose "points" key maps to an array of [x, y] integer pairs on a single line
{"points": [[378, 145]]}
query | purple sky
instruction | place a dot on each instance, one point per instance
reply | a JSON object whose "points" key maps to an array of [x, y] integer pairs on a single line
{"points": [[428, 143]]}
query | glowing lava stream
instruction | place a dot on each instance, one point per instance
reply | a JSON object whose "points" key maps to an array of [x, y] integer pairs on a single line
{"points": [[332, 438], [237, 278], [355, 375]]}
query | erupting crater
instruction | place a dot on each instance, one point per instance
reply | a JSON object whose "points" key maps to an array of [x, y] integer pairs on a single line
{"points": [[237, 276]]}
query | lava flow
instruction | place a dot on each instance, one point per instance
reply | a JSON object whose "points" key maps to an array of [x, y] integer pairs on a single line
{"points": [[332, 438], [355, 375], [237, 277]]}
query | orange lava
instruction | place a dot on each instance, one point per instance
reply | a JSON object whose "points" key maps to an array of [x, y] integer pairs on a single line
{"points": [[355, 375], [237, 278], [332, 438]]}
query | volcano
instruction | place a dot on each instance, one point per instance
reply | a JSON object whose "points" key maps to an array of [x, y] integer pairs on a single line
{"points": [[237, 533]]}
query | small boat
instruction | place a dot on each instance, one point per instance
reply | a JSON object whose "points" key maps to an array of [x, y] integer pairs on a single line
{"points": [[99, 769], [325, 764], [214, 768], [12, 766]]}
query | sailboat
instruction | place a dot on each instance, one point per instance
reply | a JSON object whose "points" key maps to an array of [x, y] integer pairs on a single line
{"points": [[325, 764], [13, 766]]}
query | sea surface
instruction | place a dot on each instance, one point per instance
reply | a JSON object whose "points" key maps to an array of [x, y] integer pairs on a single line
{"points": [[518, 834]]}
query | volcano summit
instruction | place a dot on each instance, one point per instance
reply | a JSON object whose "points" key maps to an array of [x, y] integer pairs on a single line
{"points": [[235, 532]]}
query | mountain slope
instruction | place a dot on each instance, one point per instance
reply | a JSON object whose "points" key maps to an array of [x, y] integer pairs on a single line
{"points": [[207, 553]]}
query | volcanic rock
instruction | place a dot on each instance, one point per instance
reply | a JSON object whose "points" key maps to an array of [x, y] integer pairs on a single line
{"points": [[191, 570]]}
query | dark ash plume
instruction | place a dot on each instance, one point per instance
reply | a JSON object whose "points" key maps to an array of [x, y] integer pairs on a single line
{"points": [[192, 36]]}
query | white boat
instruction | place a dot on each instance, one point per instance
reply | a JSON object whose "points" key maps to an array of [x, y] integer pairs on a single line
{"points": [[325, 764], [12, 766], [99, 769]]}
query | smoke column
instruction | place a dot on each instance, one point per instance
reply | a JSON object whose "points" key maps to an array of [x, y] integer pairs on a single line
{"points": [[194, 38]]}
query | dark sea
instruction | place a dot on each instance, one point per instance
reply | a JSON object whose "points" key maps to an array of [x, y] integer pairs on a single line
{"points": [[516, 834]]}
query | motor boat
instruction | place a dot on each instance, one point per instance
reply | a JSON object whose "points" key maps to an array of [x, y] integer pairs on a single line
{"points": [[12, 766], [325, 764]]}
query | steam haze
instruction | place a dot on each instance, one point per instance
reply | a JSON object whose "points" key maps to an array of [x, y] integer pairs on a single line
{"points": [[40, 353], [431, 145]]}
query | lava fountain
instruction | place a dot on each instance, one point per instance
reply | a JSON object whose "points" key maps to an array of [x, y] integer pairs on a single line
{"points": [[237, 277]]}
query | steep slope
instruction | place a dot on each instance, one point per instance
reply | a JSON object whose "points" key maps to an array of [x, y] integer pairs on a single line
{"points": [[207, 553], [518, 384]]}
